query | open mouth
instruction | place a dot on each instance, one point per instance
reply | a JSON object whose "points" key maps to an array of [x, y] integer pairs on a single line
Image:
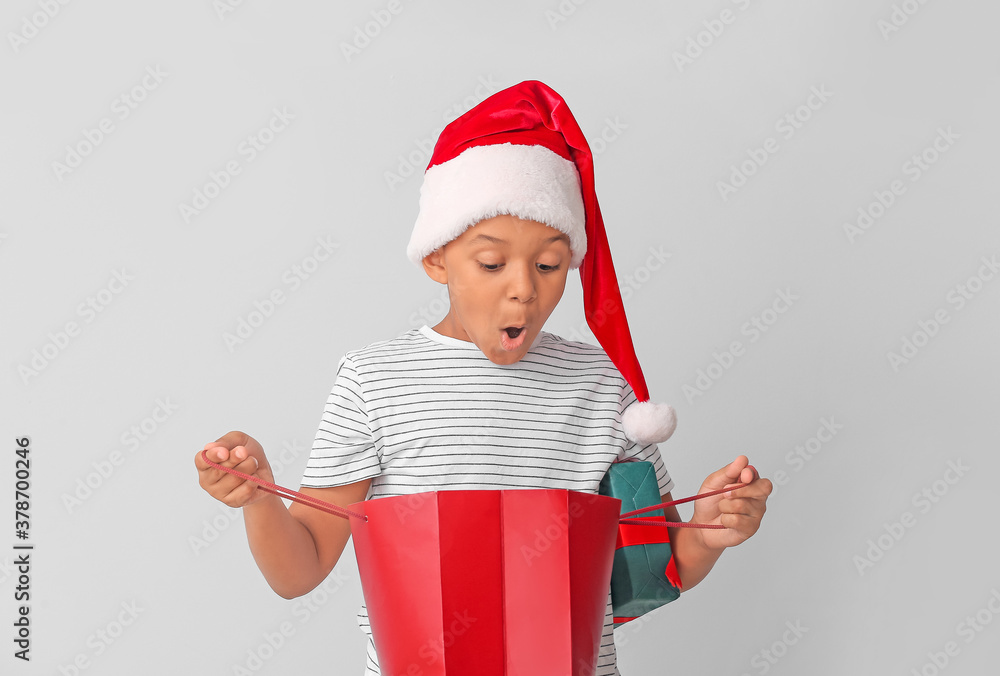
{"points": [[512, 337]]}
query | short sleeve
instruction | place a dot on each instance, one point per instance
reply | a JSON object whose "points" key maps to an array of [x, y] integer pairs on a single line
{"points": [[648, 452], [344, 449]]}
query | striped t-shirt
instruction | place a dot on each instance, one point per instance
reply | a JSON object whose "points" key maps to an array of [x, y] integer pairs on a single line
{"points": [[427, 412]]}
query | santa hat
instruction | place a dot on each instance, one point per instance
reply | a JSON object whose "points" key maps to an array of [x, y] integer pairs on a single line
{"points": [[521, 152]]}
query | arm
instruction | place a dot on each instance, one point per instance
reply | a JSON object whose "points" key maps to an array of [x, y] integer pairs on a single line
{"points": [[295, 547], [696, 550]]}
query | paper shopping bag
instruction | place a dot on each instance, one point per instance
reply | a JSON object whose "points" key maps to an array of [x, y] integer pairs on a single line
{"points": [[492, 583], [644, 576]]}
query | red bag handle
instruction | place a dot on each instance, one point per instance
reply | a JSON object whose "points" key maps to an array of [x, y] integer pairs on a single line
{"points": [[345, 513], [676, 524], [283, 492]]}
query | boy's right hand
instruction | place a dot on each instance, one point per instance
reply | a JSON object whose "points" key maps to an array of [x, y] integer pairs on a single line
{"points": [[242, 452]]}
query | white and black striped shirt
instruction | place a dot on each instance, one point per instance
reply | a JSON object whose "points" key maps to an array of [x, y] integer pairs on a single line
{"points": [[427, 412]]}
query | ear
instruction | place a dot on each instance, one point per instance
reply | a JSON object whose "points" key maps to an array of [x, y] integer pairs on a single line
{"points": [[434, 266]]}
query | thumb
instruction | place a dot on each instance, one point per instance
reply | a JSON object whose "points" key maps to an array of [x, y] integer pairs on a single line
{"points": [[728, 475]]}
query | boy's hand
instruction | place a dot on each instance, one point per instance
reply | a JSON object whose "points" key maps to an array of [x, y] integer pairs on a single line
{"points": [[740, 511], [242, 452]]}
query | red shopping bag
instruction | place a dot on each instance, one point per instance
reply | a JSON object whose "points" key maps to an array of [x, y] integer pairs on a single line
{"points": [[491, 583], [486, 582]]}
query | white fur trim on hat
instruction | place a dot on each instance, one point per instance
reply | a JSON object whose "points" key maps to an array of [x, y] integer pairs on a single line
{"points": [[647, 423], [527, 181]]}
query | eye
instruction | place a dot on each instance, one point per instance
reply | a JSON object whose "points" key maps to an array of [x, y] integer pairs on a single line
{"points": [[547, 268], [492, 267]]}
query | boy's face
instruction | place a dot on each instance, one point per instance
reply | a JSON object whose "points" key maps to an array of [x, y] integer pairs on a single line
{"points": [[505, 276]]}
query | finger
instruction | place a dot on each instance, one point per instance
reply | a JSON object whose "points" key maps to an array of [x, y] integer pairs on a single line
{"points": [[240, 491], [233, 439], [207, 474], [241, 462], [734, 470], [241, 494], [218, 455], [758, 488], [753, 507], [747, 475], [227, 457], [728, 475], [221, 483], [745, 525]]}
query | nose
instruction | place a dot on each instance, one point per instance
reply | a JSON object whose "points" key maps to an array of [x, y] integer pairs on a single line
{"points": [[521, 283]]}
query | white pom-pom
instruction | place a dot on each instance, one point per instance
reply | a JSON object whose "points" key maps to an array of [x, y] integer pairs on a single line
{"points": [[647, 423]]}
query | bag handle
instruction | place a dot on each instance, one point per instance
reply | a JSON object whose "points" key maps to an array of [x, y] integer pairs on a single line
{"points": [[283, 492], [655, 521], [345, 513]]}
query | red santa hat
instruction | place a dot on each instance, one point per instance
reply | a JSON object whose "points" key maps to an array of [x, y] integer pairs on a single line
{"points": [[521, 152]]}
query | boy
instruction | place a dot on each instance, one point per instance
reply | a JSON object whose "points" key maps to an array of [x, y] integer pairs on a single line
{"points": [[486, 399]]}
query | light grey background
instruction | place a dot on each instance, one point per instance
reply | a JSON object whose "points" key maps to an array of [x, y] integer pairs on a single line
{"points": [[148, 547]]}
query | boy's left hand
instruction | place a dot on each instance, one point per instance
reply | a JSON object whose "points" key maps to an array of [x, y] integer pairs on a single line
{"points": [[740, 511]]}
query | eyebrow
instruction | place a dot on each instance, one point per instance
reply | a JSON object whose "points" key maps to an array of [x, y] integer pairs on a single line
{"points": [[561, 237]]}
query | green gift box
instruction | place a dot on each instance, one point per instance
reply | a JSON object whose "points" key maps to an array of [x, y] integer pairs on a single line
{"points": [[644, 576]]}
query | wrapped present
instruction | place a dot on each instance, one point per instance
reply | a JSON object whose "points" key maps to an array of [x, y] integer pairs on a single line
{"points": [[492, 583], [644, 576]]}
